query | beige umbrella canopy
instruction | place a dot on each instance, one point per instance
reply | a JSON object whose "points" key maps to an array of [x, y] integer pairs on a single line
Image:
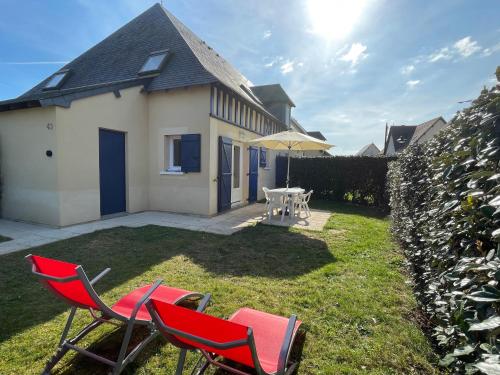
{"points": [[291, 141]]}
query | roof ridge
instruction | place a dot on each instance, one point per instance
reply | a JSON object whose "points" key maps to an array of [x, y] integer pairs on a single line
{"points": [[176, 22], [183, 30]]}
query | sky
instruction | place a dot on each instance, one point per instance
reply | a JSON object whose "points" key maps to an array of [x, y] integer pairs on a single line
{"points": [[350, 66]]}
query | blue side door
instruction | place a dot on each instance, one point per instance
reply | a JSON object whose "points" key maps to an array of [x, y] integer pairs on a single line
{"points": [[112, 171], [225, 174], [253, 174]]}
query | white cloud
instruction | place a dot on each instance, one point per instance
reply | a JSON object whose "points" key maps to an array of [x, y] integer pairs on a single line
{"points": [[408, 69], [466, 46], [300, 64], [491, 50], [267, 34], [442, 54], [273, 62], [412, 83], [355, 54], [287, 67]]}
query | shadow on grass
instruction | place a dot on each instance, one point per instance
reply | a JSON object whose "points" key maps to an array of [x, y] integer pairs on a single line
{"points": [[261, 251], [107, 346]]}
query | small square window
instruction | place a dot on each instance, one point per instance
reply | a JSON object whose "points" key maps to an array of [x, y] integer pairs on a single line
{"points": [[154, 62], [56, 80]]}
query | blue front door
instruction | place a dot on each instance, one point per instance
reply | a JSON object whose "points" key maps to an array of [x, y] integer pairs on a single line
{"points": [[253, 173], [112, 171], [225, 174]]}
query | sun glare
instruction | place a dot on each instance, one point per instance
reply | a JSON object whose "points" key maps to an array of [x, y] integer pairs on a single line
{"points": [[334, 19]]}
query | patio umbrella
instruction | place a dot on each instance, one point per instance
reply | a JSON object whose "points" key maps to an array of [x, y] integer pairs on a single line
{"points": [[290, 141]]}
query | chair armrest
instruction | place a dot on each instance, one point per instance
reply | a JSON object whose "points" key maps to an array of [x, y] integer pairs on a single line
{"points": [[100, 276], [204, 303], [145, 297], [285, 347]]}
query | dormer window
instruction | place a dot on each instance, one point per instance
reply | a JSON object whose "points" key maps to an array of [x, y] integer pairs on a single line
{"points": [[250, 93], [56, 80], [155, 62]]}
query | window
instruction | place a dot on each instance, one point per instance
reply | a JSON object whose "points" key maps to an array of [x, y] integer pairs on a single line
{"points": [[182, 154], [236, 167], [56, 80], [263, 157], [174, 153], [154, 63]]}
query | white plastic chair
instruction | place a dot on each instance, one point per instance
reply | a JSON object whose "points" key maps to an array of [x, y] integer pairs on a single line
{"points": [[266, 195], [303, 203], [277, 201]]}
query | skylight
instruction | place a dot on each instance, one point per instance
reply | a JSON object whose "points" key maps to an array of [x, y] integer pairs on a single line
{"points": [[56, 80], [154, 63]]}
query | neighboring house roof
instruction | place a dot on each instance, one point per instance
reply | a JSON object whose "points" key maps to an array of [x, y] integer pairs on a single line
{"points": [[369, 150], [424, 128], [114, 63], [404, 135], [296, 124], [272, 94], [401, 136], [317, 135]]}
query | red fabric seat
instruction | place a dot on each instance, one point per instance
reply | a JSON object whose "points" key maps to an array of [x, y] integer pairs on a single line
{"points": [[126, 304], [73, 291], [268, 330]]}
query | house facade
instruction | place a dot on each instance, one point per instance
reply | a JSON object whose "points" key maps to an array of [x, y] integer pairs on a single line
{"points": [[151, 118], [401, 136]]}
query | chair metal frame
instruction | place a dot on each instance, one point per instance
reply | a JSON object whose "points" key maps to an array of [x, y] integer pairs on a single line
{"points": [[106, 316], [285, 367]]}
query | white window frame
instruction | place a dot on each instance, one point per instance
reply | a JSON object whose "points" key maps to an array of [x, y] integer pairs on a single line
{"points": [[171, 167]]}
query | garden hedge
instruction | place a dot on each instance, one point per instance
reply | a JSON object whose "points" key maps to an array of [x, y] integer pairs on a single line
{"points": [[360, 180], [445, 201]]}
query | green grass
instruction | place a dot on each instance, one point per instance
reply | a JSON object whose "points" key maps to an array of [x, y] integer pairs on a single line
{"points": [[346, 284]]}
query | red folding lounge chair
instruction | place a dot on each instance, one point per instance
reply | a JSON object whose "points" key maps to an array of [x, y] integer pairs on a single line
{"points": [[69, 282], [249, 337]]}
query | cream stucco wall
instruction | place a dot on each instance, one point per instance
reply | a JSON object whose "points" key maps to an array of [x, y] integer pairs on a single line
{"points": [[266, 176], [177, 112], [29, 177], [78, 152], [64, 189]]}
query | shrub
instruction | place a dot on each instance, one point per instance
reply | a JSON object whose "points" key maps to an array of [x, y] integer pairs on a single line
{"points": [[445, 201], [360, 180]]}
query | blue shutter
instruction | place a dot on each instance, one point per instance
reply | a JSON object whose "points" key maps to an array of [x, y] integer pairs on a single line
{"points": [[191, 153], [263, 157]]}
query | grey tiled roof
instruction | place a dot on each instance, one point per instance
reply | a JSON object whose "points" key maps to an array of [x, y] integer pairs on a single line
{"points": [[317, 135], [372, 146], [401, 135], [118, 58], [272, 93], [423, 128]]}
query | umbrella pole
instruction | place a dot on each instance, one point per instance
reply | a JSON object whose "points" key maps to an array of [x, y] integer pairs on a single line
{"points": [[288, 168]]}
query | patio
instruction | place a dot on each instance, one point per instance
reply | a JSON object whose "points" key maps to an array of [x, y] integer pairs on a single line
{"points": [[344, 283], [26, 235]]}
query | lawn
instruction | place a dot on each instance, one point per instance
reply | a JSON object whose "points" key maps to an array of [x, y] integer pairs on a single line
{"points": [[346, 283]]}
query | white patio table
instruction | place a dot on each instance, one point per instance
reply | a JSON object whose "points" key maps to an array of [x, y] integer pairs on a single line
{"points": [[291, 193]]}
